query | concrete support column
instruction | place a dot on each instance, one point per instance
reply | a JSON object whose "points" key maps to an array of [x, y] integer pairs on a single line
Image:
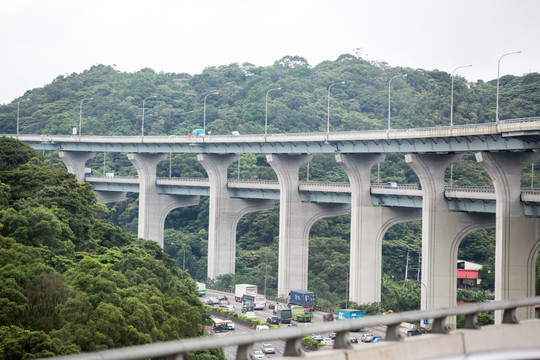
{"points": [[224, 214], [439, 229], [368, 226], [295, 221], [516, 237], [75, 162], [154, 207]]}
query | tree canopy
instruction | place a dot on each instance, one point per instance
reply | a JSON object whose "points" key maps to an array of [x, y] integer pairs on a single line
{"points": [[71, 281]]}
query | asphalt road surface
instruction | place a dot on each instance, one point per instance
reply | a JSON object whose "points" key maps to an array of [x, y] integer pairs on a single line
{"points": [[230, 352]]}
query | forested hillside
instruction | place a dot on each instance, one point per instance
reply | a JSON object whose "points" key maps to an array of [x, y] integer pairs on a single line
{"points": [[422, 98], [70, 280]]}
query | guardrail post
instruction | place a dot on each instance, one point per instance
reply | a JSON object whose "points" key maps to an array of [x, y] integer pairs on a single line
{"points": [[244, 351], [439, 326], [293, 347], [392, 332], [509, 316], [471, 321], [341, 341]]}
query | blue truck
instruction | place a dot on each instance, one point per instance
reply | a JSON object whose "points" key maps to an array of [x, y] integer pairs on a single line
{"points": [[304, 298], [348, 314]]}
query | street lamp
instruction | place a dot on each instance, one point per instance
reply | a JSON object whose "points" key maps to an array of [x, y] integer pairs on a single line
{"points": [[452, 95], [265, 272], [390, 82], [266, 113], [142, 125], [18, 106], [328, 118], [80, 114], [204, 110], [498, 68]]}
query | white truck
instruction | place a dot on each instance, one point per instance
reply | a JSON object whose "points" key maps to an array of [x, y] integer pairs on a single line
{"points": [[244, 289], [202, 288]]}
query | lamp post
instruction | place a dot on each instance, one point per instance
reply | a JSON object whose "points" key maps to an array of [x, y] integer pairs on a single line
{"points": [[498, 68], [452, 95], [266, 112], [142, 124], [204, 110], [80, 114], [328, 117], [452, 117], [390, 82], [347, 290], [18, 108], [265, 272]]}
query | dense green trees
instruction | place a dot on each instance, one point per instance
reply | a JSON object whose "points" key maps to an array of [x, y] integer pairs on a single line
{"points": [[73, 282]]}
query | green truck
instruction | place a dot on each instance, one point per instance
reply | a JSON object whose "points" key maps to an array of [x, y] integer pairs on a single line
{"points": [[283, 313], [299, 314]]}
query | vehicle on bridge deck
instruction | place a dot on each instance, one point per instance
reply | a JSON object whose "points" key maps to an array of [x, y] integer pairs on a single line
{"points": [[198, 132]]}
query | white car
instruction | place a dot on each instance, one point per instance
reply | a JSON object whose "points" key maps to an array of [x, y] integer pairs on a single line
{"points": [[250, 314], [268, 349], [230, 324], [327, 341], [258, 355], [317, 337], [366, 337]]}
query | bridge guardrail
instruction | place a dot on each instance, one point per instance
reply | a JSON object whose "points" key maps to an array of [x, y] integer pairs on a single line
{"points": [[368, 134], [293, 335]]}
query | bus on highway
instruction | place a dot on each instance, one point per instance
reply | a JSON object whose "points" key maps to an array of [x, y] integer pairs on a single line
{"points": [[220, 327]]}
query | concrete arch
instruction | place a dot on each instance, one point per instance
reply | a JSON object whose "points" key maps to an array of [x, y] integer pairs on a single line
{"points": [[531, 274], [483, 221], [323, 211], [172, 202]]}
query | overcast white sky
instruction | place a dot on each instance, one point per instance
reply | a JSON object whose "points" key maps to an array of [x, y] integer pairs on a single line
{"points": [[41, 39]]}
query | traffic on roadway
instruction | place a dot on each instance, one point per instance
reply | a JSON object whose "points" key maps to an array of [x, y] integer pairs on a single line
{"points": [[276, 348]]}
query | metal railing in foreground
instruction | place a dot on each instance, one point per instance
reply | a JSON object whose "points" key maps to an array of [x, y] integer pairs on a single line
{"points": [[293, 335]]}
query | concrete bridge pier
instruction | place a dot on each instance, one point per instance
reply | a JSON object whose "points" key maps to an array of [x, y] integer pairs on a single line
{"points": [[516, 239], [368, 226], [224, 214], [154, 207], [295, 221], [442, 230], [75, 162]]}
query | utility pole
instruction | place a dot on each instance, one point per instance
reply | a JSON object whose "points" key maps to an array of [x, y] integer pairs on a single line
{"points": [[407, 266], [419, 265]]}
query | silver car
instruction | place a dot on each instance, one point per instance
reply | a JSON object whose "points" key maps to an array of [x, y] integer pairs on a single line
{"points": [[268, 348]]}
